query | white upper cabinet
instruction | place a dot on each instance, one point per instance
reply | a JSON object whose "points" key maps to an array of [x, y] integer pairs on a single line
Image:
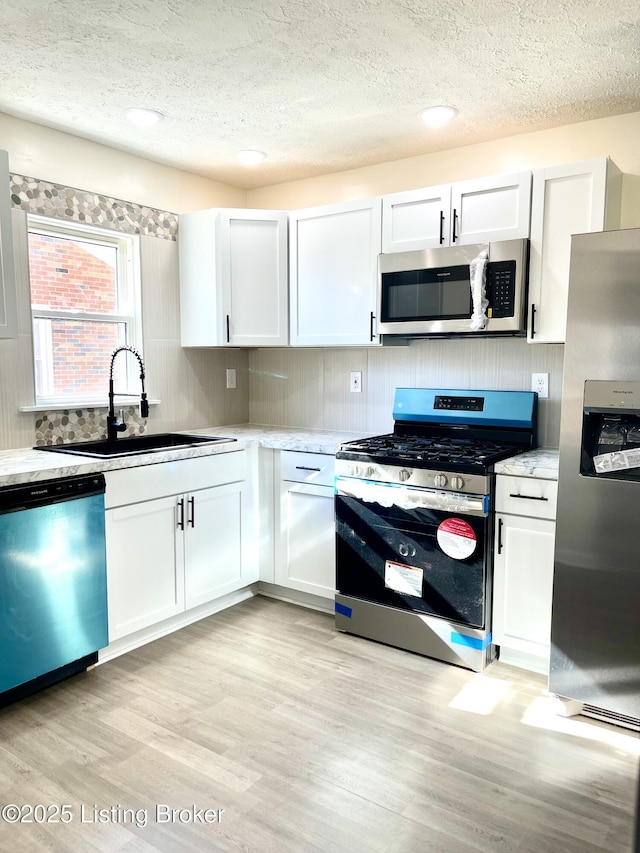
{"points": [[576, 198], [497, 208], [476, 211], [8, 317], [233, 278], [416, 219], [333, 274]]}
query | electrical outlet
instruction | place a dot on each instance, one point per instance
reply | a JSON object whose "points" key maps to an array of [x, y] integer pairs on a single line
{"points": [[356, 382], [231, 377], [540, 384]]}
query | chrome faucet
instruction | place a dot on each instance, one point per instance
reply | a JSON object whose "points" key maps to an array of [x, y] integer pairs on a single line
{"points": [[114, 424]]}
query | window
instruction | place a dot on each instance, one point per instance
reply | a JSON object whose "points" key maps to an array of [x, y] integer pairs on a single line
{"points": [[85, 302]]}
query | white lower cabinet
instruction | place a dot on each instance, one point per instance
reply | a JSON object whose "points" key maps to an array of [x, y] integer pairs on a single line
{"points": [[523, 570], [213, 563], [145, 577], [305, 528], [169, 554]]}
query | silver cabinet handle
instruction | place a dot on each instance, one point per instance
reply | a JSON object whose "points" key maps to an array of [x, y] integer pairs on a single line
{"points": [[528, 497]]}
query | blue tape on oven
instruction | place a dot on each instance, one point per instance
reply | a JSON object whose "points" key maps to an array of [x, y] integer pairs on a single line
{"points": [[343, 610], [480, 643]]}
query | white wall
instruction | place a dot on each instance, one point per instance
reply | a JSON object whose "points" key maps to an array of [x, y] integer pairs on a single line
{"points": [[618, 137], [189, 383], [51, 155], [310, 387]]}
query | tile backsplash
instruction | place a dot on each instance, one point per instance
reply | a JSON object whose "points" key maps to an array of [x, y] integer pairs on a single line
{"points": [[189, 384], [71, 425], [47, 199], [309, 388]]}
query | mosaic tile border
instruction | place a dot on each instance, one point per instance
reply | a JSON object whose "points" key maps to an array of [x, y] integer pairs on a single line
{"points": [[60, 202], [71, 425]]}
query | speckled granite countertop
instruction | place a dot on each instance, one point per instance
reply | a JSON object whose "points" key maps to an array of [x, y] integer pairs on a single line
{"points": [[541, 463], [27, 465]]}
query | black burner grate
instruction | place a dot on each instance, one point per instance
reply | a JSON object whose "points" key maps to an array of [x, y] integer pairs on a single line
{"points": [[423, 450]]}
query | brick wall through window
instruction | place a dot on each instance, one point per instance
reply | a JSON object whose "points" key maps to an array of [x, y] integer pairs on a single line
{"points": [[69, 275]]}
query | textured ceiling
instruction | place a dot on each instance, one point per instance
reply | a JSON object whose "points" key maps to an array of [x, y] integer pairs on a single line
{"points": [[321, 85]]}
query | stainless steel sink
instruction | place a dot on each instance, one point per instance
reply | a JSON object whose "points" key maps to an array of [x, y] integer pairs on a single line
{"points": [[104, 449]]}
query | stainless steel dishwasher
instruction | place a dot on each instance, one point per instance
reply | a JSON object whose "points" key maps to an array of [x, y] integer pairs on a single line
{"points": [[53, 582]]}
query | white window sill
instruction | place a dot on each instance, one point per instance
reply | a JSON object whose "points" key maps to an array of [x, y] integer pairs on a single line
{"points": [[119, 403]]}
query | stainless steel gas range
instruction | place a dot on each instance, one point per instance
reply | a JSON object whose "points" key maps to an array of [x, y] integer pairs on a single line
{"points": [[414, 521]]}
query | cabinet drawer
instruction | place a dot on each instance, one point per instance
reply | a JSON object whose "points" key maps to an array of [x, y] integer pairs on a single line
{"points": [[526, 496], [147, 482], [299, 467]]}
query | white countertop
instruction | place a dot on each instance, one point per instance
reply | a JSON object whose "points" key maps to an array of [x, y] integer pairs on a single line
{"points": [[286, 438], [541, 463], [26, 465]]}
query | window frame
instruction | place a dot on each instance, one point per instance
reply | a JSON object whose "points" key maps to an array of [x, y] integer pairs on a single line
{"points": [[129, 292]]}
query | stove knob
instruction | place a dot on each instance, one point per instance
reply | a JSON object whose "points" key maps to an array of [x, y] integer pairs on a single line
{"points": [[354, 470], [369, 471], [440, 480], [403, 475], [457, 483]]}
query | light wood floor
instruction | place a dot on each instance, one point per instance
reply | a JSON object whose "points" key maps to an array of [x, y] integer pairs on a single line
{"points": [[311, 740]]}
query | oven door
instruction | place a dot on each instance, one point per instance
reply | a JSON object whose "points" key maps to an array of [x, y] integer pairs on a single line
{"points": [[413, 549]]}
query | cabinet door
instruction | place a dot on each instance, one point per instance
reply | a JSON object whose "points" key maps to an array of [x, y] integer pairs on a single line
{"points": [[567, 200], [253, 270], [416, 219], [233, 278], [523, 582], [145, 577], [216, 555], [333, 272], [305, 550], [487, 209], [8, 316]]}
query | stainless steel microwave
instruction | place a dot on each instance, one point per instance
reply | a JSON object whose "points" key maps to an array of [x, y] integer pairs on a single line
{"points": [[428, 293]]}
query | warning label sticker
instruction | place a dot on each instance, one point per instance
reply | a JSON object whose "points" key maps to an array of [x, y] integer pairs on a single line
{"points": [[404, 579], [456, 538], [617, 461]]}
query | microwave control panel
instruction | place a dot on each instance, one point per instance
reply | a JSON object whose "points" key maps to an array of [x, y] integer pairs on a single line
{"points": [[501, 288]]}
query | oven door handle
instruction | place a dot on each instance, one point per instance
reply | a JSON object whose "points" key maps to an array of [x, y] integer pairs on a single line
{"points": [[407, 497]]}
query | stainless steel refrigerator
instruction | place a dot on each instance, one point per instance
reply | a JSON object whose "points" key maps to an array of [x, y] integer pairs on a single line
{"points": [[595, 635]]}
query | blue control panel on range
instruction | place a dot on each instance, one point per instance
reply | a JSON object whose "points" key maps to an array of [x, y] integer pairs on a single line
{"points": [[512, 409]]}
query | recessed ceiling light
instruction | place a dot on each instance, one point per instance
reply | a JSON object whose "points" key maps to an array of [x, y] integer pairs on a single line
{"points": [[251, 157], [143, 117], [437, 116]]}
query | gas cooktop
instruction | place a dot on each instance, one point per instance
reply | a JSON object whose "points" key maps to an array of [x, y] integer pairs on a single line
{"points": [[449, 430], [441, 451]]}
